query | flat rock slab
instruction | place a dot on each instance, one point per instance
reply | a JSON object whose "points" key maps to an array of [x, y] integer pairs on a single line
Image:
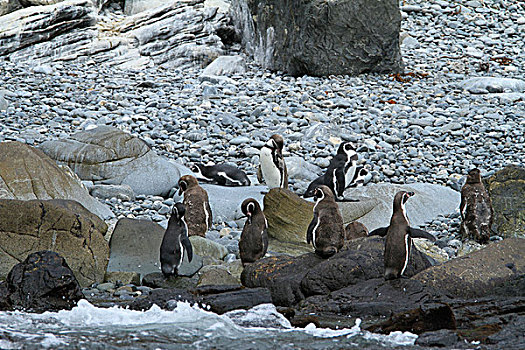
{"points": [[429, 202], [108, 155], [476, 274], [27, 173], [493, 84], [62, 226], [225, 201], [135, 247]]}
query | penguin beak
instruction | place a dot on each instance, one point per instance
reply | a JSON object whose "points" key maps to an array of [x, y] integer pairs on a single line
{"points": [[410, 194]]}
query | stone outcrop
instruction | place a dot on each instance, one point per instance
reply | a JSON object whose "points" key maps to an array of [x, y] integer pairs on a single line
{"points": [[506, 190], [476, 274], [135, 247], [320, 38], [42, 282], [27, 173], [108, 155], [65, 227], [292, 279], [174, 34]]}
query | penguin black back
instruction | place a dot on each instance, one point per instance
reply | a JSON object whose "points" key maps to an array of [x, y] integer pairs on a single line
{"points": [[254, 237], [175, 242], [221, 174]]}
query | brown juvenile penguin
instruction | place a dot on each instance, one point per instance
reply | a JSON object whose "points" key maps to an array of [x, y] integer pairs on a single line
{"points": [[254, 237], [399, 237], [326, 231], [475, 208], [198, 212], [272, 168]]}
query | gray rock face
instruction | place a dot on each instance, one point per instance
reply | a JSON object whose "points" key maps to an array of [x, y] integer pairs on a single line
{"points": [[492, 84], [225, 65], [321, 38], [132, 7], [110, 156], [65, 227], [428, 202], [27, 173], [177, 34], [8, 6], [300, 169], [135, 247], [225, 202]]}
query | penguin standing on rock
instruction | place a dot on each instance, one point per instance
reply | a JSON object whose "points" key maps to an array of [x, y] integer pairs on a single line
{"points": [[175, 242], [272, 168], [399, 237], [254, 237], [198, 211], [221, 174], [326, 231], [475, 209]]}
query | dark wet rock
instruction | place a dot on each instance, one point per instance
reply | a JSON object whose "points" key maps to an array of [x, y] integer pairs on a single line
{"points": [[215, 289], [63, 226], [108, 155], [27, 173], [235, 300], [321, 38], [354, 230], [441, 338], [292, 279], [42, 282], [476, 274], [506, 188], [157, 280], [135, 247], [425, 318]]}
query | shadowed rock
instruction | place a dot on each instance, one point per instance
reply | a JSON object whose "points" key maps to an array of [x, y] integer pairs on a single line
{"points": [[65, 227], [42, 282]]}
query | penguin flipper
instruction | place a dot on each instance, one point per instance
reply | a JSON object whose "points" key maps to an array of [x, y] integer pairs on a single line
{"points": [[259, 175], [379, 232], [186, 243], [417, 233], [310, 231]]}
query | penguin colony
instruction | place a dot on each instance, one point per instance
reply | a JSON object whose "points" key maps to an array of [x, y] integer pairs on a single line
{"points": [[325, 232]]}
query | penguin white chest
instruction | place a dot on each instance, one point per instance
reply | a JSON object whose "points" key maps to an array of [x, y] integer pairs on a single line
{"points": [[270, 172]]}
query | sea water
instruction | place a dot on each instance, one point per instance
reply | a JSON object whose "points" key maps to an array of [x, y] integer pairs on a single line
{"points": [[186, 327]]}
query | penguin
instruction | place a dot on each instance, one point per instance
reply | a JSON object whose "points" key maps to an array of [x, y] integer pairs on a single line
{"points": [[334, 179], [175, 242], [475, 209], [346, 157], [399, 236], [326, 231], [254, 237], [198, 211], [221, 174], [361, 177], [272, 168]]}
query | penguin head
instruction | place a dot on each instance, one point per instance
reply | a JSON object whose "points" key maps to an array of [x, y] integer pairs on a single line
{"points": [[400, 199], [474, 176], [187, 181], [197, 168], [276, 142], [347, 148], [249, 207], [178, 211], [322, 192]]}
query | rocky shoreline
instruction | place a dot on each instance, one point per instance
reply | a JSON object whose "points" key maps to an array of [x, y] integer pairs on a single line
{"points": [[459, 104]]}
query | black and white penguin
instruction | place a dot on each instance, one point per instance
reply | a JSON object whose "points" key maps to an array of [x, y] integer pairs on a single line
{"points": [[198, 211], [361, 177], [334, 179], [254, 237], [399, 236], [346, 157], [272, 168], [221, 174], [326, 231], [175, 242], [475, 208]]}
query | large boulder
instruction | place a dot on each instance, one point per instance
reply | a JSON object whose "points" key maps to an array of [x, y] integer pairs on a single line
{"points": [[65, 227], [225, 202], [476, 274], [292, 279], [206, 247], [320, 38], [27, 173], [289, 215], [135, 247], [108, 155], [42, 282], [506, 189], [429, 202]]}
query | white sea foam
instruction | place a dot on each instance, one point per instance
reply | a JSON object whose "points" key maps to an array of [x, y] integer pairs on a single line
{"points": [[394, 338]]}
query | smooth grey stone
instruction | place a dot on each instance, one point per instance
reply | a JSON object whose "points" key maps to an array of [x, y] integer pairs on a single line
{"points": [[122, 192], [493, 83], [299, 168], [225, 65]]}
